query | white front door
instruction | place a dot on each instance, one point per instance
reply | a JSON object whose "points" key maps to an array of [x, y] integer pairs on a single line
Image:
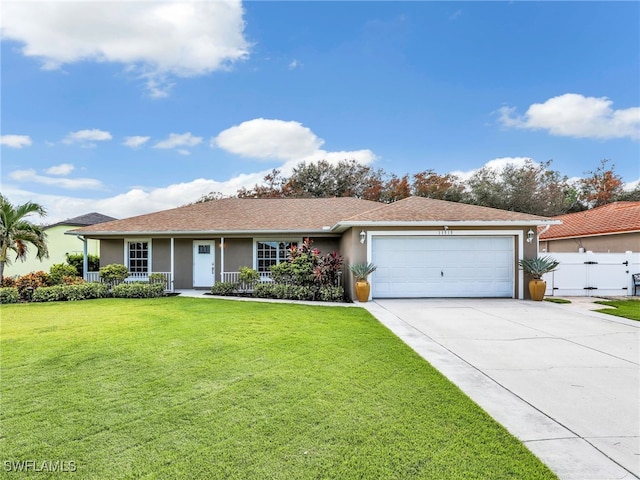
{"points": [[204, 263]]}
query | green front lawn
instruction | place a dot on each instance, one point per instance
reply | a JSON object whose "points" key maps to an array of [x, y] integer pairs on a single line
{"points": [[201, 388], [623, 308]]}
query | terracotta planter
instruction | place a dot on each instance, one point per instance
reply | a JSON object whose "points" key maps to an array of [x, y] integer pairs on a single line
{"points": [[537, 289], [362, 290]]}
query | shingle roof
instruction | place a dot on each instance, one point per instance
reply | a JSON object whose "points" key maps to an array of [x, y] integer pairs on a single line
{"points": [[618, 217], [242, 214], [235, 215], [84, 220], [420, 209]]}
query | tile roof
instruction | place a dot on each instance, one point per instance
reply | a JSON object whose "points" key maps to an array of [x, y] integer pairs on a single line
{"points": [[242, 214], [84, 220], [420, 209], [301, 215], [617, 217]]}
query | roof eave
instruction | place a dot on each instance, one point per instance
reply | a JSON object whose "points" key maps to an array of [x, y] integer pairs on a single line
{"points": [[148, 233], [586, 235], [342, 226]]}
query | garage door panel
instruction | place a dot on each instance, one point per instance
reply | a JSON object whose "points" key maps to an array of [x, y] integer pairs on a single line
{"points": [[443, 267]]}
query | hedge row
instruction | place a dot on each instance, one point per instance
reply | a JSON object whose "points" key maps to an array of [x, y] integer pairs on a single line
{"points": [[325, 293], [83, 291]]}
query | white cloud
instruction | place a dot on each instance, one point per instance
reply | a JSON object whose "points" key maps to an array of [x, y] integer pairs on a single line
{"points": [[496, 164], [15, 141], [574, 115], [136, 201], [87, 137], [30, 175], [155, 40], [135, 141], [179, 140], [269, 139], [295, 64], [62, 169]]}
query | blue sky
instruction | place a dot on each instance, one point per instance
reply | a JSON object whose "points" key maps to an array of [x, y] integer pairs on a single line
{"points": [[130, 107]]}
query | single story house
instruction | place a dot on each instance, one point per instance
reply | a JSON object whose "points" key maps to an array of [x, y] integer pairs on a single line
{"points": [[611, 228], [59, 245], [422, 247]]}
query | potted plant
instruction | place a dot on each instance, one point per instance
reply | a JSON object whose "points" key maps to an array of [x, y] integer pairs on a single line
{"points": [[536, 268], [361, 271]]}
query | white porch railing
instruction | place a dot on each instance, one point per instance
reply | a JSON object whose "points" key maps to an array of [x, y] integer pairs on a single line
{"points": [[136, 277], [234, 277]]}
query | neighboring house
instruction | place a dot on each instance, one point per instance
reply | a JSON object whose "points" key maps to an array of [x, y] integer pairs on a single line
{"points": [[611, 228], [422, 247], [59, 245]]}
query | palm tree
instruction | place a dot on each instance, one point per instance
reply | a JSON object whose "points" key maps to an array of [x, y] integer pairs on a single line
{"points": [[16, 232]]}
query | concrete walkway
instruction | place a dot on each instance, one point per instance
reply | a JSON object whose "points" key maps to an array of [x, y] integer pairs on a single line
{"points": [[561, 378]]}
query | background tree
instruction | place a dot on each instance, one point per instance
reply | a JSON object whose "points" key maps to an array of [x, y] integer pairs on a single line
{"points": [[207, 197], [603, 186], [272, 187], [347, 178], [530, 188], [441, 187], [394, 189], [17, 232], [630, 195]]}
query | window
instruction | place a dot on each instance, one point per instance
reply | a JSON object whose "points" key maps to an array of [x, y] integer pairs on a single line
{"points": [[204, 249], [139, 257], [271, 253]]}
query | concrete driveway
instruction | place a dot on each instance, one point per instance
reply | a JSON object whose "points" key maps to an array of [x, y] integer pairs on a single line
{"points": [[564, 380]]}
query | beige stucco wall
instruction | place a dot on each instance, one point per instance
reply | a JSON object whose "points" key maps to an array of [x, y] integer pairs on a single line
{"points": [[111, 251], [238, 252], [615, 243], [58, 244]]}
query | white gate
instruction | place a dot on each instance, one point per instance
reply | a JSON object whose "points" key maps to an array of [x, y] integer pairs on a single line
{"points": [[593, 274]]}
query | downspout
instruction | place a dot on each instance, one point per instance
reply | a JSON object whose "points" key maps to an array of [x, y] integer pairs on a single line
{"points": [[538, 238], [85, 257]]}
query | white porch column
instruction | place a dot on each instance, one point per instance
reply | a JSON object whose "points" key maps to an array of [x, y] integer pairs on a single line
{"points": [[222, 259], [85, 257], [172, 264]]}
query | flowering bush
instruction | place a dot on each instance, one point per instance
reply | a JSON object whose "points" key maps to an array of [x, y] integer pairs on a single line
{"points": [[27, 284], [305, 267]]}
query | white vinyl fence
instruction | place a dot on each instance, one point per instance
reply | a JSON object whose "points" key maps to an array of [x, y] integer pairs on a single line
{"points": [[593, 274]]}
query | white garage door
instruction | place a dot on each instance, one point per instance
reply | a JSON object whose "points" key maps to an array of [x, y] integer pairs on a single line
{"points": [[442, 267]]}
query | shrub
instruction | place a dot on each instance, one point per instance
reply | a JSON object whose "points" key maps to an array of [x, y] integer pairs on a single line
{"points": [[29, 283], [72, 280], [138, 290], [58, 271], [330, 293], [8, 282], [114, 274], [264, 290], [85, 291], [73, 292], [77, 261], [248, 277], [54, 293], [305, 267], [9, 295], [224, 288], [157, 278]]}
